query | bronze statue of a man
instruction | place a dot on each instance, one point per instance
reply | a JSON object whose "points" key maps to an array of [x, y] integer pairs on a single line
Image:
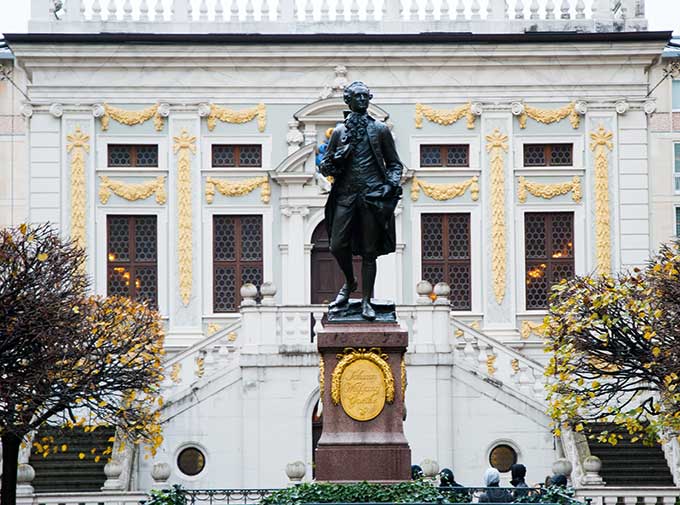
{"points": [[363, 160]]}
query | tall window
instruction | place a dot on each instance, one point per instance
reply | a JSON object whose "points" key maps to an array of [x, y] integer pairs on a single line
{"points": [[677, 221], [237, 258], [676, 167], [549, 250], [132, 264], [132, 155], [548, 155], [446, 155], [445, 246], [233, 155]]}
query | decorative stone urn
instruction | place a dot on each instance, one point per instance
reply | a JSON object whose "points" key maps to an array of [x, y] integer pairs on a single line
{"points": [[430, 468], [295, 471]]}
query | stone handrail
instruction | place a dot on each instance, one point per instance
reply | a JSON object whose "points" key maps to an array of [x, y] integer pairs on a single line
{"points": [[671, 450], [347, 16], [628, 495], [103, 498]]}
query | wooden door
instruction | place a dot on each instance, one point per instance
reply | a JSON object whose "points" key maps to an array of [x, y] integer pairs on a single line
{"points": [[327, 278]]}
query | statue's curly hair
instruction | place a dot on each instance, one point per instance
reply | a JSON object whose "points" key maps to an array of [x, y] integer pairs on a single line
{"points": [[350, 90]]}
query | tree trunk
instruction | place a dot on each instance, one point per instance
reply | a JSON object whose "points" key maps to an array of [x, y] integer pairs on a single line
{"points": [[10, 462]]}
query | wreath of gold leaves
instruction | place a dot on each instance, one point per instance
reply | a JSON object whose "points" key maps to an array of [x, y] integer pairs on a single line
{"points": [[548, 116], [375, 356], [227, 115], [444, 117], [240, 188], [132, 192], [549, 191], [131, 117], [445, 191]]}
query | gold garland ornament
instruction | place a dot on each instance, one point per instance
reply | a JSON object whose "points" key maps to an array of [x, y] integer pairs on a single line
{"points": [[404, 381], [78, 145], [491, 364], [353, 383], [529, 327], [445, 117], [497, 144], [240, 188], [548, 116], [184, 147], [445, 191], [549, 191], [600, 145], [227, 115], [213, 328], [174, 373], [131, 117], [322, 378], [132, 192]]}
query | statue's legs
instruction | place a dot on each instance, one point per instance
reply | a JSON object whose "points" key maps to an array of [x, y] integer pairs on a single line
{"points": [[368, 271], [341, 248]]}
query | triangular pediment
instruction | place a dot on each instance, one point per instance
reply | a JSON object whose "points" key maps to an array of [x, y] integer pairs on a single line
{"points": [[331, 110]]}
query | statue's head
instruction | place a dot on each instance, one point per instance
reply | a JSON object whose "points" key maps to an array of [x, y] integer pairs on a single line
{"points": [[356, 96]]}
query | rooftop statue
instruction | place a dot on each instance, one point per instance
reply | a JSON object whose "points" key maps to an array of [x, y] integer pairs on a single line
{"points": [[362, 158]]}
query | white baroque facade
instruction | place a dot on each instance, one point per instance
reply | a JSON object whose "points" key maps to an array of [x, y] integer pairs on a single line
{"points": [[526, 159]]}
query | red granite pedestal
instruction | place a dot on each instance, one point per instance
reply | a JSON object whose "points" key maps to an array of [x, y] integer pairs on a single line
{"points": [[373, 450]]}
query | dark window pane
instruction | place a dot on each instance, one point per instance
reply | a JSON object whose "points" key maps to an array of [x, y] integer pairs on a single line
{"points": [[251, 238], [119, 238], [534, 235], [145, 238], [147, 156], [457, 156], [224, 236], [433, 273], [459, 281], [534, 155], [562, 236], [250, 156], [432, 245], [430, 156], [146, 284], [459, 236], [561, 155], [223, 156], [224, 299], [120, 155], [118, 283], [537, 285]]}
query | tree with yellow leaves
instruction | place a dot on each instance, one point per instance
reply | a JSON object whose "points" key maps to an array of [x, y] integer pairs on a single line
{"points": [[68, 358], [615, 345]]}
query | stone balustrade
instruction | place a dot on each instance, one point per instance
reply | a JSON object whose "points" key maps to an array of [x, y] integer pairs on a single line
{"points": [[103, 498], [611, 495], [346, 16]]}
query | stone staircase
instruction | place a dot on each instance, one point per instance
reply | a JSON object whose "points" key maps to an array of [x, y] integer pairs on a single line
{"points": [[628, 463], [65, 471]]}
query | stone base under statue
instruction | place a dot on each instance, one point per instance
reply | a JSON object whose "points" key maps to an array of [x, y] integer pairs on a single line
{"points": [[363, 408]]}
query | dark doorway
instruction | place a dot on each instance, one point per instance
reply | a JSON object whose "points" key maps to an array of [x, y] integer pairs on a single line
{"points": [[327, 277], [317, 427]]}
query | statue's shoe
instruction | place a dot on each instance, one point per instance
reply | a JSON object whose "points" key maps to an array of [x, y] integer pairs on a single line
{"points": [[343, 295], [367, 312]]}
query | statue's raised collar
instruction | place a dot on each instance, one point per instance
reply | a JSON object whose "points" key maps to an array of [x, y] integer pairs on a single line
{"points": [[346, 113]]}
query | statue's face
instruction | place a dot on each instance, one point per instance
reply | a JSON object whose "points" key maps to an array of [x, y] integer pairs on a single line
{"points": [[359, 100]]}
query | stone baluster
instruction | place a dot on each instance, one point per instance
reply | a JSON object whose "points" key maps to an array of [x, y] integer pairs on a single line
{"points": [[354, 11], [203, 11], [539, 387], [264, 10], [413, 11], [127, 11], [96, 11], [580, 9], [234, 12], [444, 12], [440, 317], [519, 9], [278, 13], [429, 10], [469, 350], [564, 9], [325, 15], [219, 11], [460, 10], [181, 11], [250, 11], [475, 10], [339, 10], [639, 9], [668, 500], [144, 11], [158, 12], [525, 379], [318, 322], [309, 11], [533, 8], [496, 9], [370, 10], [610, 500], [630, 500], [112, 10], [75, 10], [391, 10], [481, 357], [549, 9]]}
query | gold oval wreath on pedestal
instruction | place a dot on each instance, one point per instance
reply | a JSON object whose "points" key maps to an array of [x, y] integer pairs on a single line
{"points": [[362, 382]]}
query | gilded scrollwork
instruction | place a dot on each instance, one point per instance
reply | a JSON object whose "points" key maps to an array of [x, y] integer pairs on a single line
{"points": [[132, 117], [445, 117], [237, 188], [601, 144], [78, 145], [548, 116], [174, 373], [404, 381], [227, 115], [549, 191], [322, 378], [373, 355], [132, 192], [497, 144], [445, 191], [529, 327], [184, 147], [491, 364]]}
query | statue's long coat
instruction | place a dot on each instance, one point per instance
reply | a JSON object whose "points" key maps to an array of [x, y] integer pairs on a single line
{"points": [[385, 153]]}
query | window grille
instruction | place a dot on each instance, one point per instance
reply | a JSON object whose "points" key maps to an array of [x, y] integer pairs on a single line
{"points": [[132, 155], [548, 155], [233, 155], [448, 155]]}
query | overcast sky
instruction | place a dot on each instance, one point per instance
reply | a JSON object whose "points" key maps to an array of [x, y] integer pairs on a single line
{"points": [[662, 14]]}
